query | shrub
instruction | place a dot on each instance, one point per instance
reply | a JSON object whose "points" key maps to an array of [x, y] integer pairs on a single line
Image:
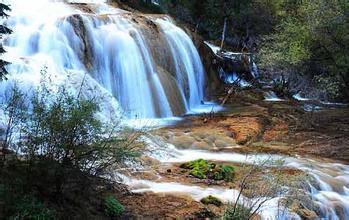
{"points": [[238, 212], [113, 207], [64, 151], [211, 200], [61, 131], [30, 208]]}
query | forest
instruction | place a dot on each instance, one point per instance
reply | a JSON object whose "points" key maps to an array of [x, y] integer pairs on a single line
{"points": [[290, 37]]}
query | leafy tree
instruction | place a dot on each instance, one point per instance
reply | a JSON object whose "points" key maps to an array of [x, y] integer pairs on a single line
{"points": [[311, 38], [63, 128], [245, 18], [3, 30], [64, 151]]}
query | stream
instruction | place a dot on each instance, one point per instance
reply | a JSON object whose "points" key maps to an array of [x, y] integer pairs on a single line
{"points": [[329, 185]]}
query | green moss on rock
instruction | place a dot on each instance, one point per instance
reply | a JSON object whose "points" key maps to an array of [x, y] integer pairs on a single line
{"points": [[203, 169], [211, 200]]}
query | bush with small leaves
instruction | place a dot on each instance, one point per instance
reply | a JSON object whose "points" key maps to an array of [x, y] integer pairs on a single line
{"points": [[237, 212], [30, 208]]}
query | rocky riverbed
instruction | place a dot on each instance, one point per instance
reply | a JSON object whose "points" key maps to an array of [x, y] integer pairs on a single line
{"points": [[245, 127]]}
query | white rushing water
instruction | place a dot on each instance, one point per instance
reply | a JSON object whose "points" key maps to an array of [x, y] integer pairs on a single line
{"points": [[272, 97], [329, 186], [270, 210], [109, 46], [187, 62]]}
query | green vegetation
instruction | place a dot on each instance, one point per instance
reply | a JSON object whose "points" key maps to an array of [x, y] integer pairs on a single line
{"points": [[3, 30], [64, 152], [30, 208], [245, 18], [306, 42], [224, 172], [211, 200], [311, 39], [113, 207], [203, 169], [258, 185], [237, 213], [199, 168]]}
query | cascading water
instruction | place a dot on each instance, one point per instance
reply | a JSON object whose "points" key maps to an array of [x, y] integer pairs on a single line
{"points": [[149, 79], [110, 46], [187, 61], [328, 187]]}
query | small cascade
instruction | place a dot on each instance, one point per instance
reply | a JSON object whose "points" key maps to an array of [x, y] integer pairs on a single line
{"points": [[113, 47], [328, 185], [270, 96], [189, 68], [232, 65]]}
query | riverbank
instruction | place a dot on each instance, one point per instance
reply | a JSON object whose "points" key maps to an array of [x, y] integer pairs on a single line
{"points": [[247, 126], [267, 127]]}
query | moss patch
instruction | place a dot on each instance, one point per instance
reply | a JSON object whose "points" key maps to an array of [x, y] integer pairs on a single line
{"points": [[203, 169], [211, 200], [113, 207]]}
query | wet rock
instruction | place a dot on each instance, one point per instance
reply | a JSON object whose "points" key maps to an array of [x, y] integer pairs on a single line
{"points": [[307, 214], [202, 145], [220, 144], [276, 132], [183, 141], [200, 134], [301, 208], [340, 209], [246, 129], [160, 206], [205, 213]]}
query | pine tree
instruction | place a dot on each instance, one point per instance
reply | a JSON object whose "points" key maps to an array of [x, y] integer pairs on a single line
{"points": [[3, 30]]}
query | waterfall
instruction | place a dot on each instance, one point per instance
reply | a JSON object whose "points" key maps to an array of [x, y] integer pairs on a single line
{"points": [[114, 48], [188, 64]]}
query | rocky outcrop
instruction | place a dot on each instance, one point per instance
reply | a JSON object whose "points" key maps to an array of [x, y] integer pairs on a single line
{"points": [[218, 64], [214, 84]]}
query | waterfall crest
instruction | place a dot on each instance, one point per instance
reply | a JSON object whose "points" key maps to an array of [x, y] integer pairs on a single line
{"points": [[147, 63]]}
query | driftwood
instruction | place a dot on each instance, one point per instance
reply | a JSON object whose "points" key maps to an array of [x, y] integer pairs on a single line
{"points": [[230, 92], [227, 96]]}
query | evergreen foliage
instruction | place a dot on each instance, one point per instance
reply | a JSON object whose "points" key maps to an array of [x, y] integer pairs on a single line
{"points": [[3, 30]]}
